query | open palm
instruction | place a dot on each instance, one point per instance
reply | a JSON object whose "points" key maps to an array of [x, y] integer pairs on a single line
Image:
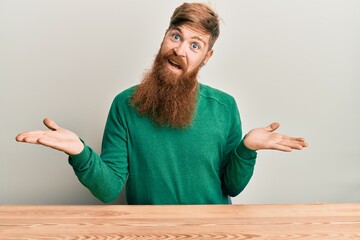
{"points": [[266, 138], [58, 138]]}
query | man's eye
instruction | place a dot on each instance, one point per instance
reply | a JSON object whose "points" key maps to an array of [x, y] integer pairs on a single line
{"points": [[176, 37], [195, 46]]}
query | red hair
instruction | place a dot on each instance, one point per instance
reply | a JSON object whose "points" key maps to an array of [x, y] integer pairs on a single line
{"points": [[199, 16]]}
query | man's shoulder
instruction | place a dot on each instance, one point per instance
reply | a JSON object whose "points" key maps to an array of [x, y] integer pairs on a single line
{"points": [[213, 94], [126, 94]]}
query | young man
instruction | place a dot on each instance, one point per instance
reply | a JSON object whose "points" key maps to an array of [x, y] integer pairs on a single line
{"points": [[171, 139]]}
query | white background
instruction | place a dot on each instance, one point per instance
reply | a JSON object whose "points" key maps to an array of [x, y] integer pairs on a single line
{"points": [[296, 62]]}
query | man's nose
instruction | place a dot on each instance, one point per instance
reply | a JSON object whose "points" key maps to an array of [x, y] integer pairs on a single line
{"points": [[180, 50]]}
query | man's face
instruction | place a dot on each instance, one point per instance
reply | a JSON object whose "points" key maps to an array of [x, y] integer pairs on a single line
{"points": [[167, 93], [184, 49]]}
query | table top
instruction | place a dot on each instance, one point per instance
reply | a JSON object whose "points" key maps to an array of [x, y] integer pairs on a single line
{"points": [[269, 221]]}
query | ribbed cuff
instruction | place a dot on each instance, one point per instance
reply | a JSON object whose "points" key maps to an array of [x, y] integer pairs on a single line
{"points": [[78, 161], [245, 153]]}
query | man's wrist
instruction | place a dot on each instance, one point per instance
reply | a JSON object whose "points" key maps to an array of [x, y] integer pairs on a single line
{"points": [[76, 149], [244, 152], [248, 145]]}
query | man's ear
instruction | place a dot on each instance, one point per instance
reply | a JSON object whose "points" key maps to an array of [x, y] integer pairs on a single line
{"points": [[208, 56]]}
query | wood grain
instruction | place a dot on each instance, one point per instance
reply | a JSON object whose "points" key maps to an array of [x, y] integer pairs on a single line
{"points": [[293, 221]]}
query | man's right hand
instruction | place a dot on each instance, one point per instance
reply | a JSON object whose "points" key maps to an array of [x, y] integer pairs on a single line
{"points": [[58, 138]]}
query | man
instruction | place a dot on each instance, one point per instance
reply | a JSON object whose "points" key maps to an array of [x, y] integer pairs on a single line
{"points": [[171, 139]]}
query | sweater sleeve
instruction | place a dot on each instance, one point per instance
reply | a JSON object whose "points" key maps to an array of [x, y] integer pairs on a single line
{"points": [[239, 161], [106, 174]]}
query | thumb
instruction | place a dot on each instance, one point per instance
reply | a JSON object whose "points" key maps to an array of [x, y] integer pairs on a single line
{"points": [[272, 127], [51, 124]]}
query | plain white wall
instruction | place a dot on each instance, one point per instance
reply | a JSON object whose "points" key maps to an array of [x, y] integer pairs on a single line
{"points": [[296, 62]]}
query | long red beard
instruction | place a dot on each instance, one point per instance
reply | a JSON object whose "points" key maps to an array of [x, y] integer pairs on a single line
{"points": [[168, 99]]}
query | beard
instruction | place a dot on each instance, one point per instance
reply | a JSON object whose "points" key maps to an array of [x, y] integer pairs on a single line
{"points": [[167, 98]]}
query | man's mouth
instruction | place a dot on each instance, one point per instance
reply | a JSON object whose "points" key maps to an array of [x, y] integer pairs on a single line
{"points": [[174, 64]]}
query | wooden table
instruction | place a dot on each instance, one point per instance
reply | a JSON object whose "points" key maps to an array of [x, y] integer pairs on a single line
{"points": [[294, 221]]}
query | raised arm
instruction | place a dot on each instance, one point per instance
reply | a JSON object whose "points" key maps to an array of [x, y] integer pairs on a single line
{"points": [[241, 157], [103, 176]]}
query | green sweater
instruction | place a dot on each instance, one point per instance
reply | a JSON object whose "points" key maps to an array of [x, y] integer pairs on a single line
{"points": [[202, 164]]}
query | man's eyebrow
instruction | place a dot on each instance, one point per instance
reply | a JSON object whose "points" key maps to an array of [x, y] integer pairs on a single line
{"points": [[193, 37]]}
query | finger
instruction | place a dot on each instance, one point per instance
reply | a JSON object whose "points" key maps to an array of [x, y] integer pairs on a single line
{"points": [[292, 144], [281, 147], [302, 143], [42, 140], [272, 127], [31, 139], [299, 139], [20, 137], [51, 124]]}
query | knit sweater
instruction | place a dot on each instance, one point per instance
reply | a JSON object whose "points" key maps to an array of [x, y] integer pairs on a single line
{"points": [[204, 163]]}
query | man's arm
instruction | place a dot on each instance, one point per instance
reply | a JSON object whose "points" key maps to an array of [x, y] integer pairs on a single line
{"points": [[104, 176], [240, 155], [240, 166]]}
